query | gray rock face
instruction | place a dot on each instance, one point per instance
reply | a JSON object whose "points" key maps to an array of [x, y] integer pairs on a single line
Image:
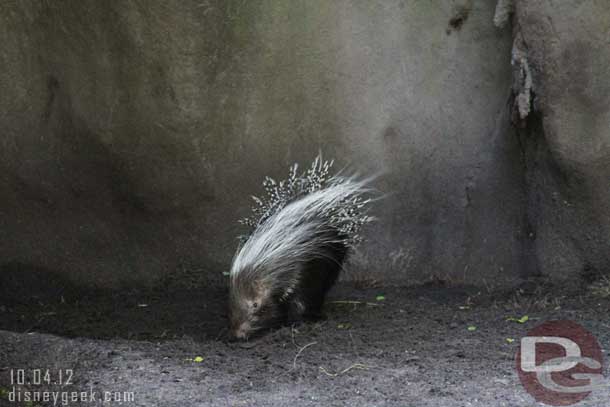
{"points": [[567, 141], [133, 133]]}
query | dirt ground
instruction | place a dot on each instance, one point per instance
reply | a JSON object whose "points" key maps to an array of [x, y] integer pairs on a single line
{"points": [[380, 346]]}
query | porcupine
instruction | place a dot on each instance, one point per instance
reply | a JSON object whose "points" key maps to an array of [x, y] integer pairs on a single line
{"points": [[299, 238]]}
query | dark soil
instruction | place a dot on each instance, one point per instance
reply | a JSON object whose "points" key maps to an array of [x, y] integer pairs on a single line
{"points": [[410, 348]]}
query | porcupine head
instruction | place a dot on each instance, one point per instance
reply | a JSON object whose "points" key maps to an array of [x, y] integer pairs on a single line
{"points": [[251, 307]]}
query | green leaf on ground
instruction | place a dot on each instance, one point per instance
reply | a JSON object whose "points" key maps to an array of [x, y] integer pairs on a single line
{"points": [[521, 320]]}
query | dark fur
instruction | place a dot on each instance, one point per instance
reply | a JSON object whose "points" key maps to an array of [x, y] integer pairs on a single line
{"points": [[316, 278]]}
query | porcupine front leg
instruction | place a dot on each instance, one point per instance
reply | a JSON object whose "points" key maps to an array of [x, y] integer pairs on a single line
{"points": [[319, 276], [306, 303]]}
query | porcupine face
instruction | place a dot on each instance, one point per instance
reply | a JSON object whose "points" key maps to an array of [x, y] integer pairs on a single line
{"points": [[252, 309]]}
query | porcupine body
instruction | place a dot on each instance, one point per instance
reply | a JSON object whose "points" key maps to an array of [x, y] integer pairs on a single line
{"points": [[301, 233]]}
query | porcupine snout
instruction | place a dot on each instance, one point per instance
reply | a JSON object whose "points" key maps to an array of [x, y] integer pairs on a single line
{"points": [[240, 330], [240, 327]]}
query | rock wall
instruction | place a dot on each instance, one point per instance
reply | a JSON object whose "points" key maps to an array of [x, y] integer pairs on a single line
{"points": [[566, 138], [134, 132]]}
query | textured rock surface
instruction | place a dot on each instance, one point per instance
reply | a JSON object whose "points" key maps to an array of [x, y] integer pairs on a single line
{"points": [[134, 132], [567, 139]]}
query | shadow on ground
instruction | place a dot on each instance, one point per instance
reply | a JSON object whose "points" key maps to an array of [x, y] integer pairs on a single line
{"points": [[35, 300]]}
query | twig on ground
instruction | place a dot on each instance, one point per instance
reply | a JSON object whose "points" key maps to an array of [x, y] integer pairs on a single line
{"points": [[356, 303], [354, 366], [294, 362], [38, 321], [294, 342]]}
